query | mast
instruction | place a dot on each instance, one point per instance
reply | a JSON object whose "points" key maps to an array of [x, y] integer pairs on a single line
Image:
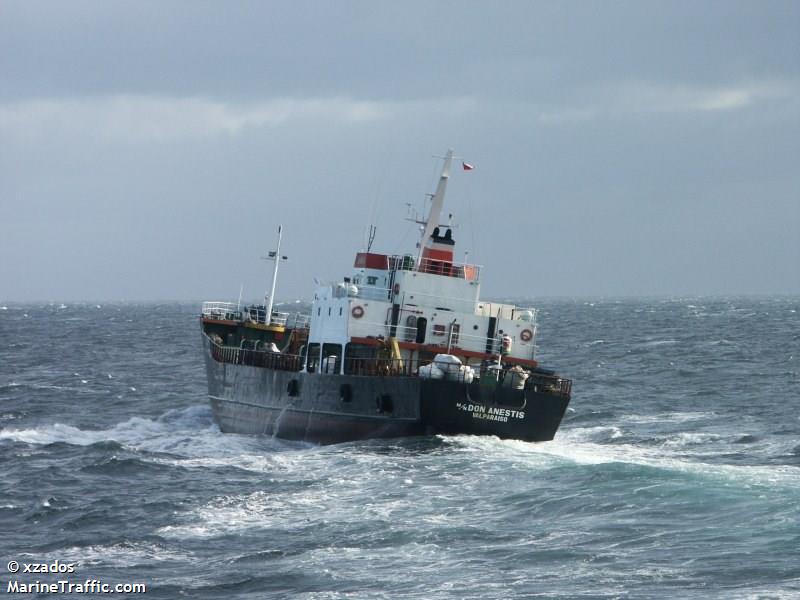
{"points": [[436, 204], [274, 256]]}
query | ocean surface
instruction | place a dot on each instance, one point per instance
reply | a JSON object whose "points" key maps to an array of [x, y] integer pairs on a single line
{"points": [[675, 474]]}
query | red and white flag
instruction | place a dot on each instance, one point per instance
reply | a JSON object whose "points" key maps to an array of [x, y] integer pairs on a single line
{"points": [[467, 166]]}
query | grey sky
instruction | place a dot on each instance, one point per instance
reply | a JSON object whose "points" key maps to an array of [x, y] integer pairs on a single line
{"points": [[148, 150]]}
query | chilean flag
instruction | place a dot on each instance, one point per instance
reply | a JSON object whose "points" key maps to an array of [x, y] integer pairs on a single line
{"points": [[467, 166]]}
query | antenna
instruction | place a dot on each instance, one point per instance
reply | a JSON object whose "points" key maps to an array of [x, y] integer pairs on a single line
{"points": [[372, 230]]}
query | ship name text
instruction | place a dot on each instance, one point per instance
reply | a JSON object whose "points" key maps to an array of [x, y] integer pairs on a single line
{"points": [[490, 413]]}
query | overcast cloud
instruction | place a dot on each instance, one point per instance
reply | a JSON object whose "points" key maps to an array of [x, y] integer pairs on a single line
{"points": [[148, 150]]}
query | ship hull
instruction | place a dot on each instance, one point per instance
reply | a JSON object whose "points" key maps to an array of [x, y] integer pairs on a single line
{"points": [[329, 409]]}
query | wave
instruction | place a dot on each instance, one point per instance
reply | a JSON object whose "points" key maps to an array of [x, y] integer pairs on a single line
{"points": [[668, 417], [584, 446], [692, 438], [13, 385], [124, 554], [655, 343], [186, 438], [310, 490], [134, 432]]}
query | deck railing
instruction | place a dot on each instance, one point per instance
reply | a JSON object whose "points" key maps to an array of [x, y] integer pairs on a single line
{"points": [[255, 358], [438, 267], [388, 367], [445, 338], [258, 314], [226, 311], [487, 375], [230, 311]]}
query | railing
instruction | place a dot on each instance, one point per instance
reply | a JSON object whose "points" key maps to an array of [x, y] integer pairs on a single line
{"points": [[550, 384], [506, 311], [377, 366], [439, 267], [446, 339], [255, 358], [415, 298], [397, 367], [228, 311], [371, 292], [487, 375], [258, 314]]}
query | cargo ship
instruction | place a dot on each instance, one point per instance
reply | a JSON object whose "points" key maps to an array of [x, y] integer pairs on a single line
{"points": [[401, 346]]}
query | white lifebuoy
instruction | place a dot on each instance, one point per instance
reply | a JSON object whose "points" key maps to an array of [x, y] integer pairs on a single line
{"points": [[526, 335], [357, 312]]}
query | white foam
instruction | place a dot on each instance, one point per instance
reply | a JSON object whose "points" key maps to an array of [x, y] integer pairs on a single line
{"points": [[46, 435], [653, 343], [188, 435], [242, 512], [572, 445], [134, 432], [766, 593], [694, 438], [117, 555], [328, 484], [674, 417]]}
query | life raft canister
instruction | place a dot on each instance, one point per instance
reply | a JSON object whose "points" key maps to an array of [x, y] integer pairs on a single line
{"points": [[505, 344], [526, 335], [357, 312]]}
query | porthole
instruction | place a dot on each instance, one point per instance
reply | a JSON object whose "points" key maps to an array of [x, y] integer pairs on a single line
{"points": [[384, 404]]}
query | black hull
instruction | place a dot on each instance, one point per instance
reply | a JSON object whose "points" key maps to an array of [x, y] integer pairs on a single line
{"points": [[329, 409]]}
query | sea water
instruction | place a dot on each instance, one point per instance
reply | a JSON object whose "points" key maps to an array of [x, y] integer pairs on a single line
{"points": [[675, 474]]}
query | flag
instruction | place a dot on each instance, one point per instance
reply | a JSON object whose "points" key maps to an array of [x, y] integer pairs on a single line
{"points": [[467, 166]]}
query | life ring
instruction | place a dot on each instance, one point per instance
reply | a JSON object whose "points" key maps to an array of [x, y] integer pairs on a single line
{"points": [[526, 335], [357, 312]]}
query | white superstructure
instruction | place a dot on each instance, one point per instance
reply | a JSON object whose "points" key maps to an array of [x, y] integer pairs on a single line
{"points": [[417, 305]]}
